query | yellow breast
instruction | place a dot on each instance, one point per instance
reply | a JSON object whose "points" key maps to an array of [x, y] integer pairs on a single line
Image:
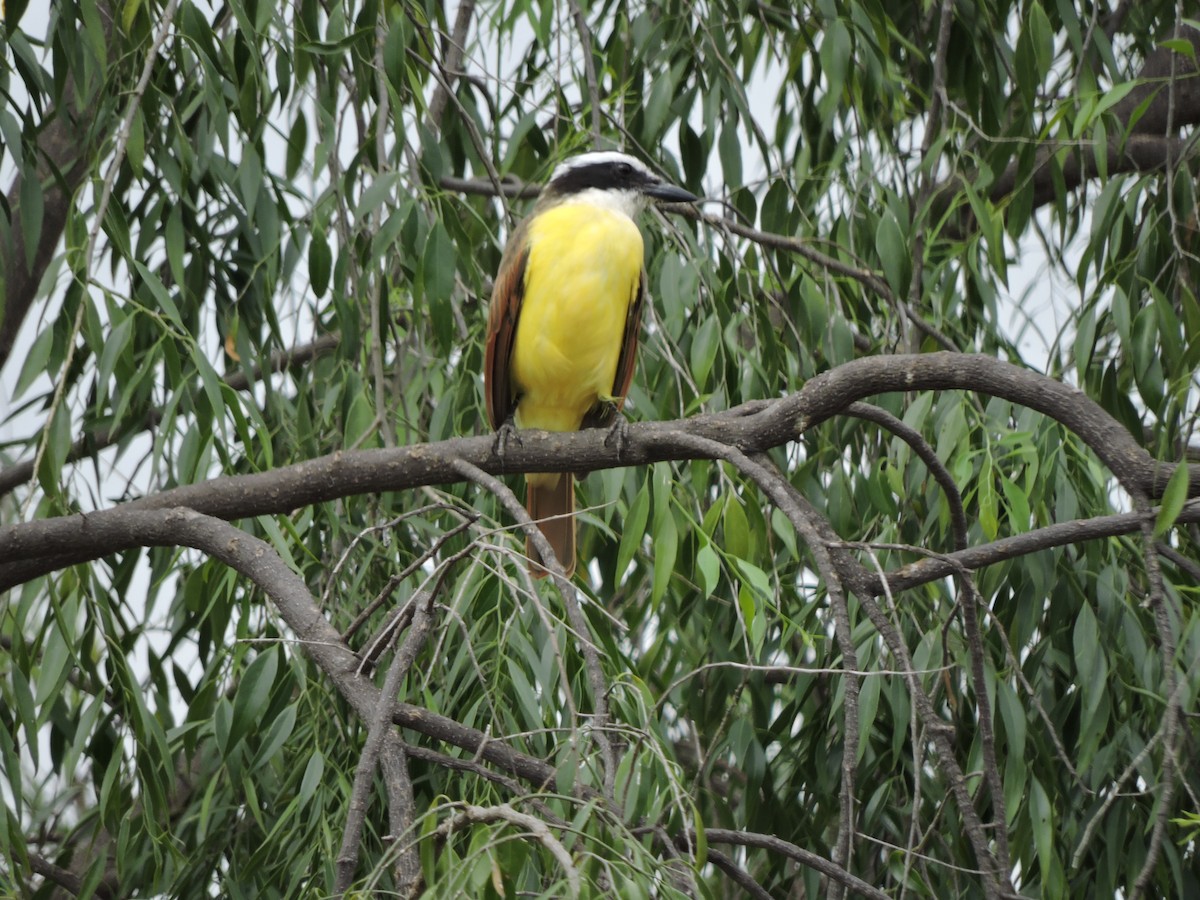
{"points": [[584, 266]]}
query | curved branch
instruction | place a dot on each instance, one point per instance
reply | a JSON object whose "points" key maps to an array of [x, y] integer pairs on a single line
{"points": [[1165, 71], [65, 879], [46, 545], [537, 829], [1057, 535], [790, 850], [926, 453], [258, 561]]}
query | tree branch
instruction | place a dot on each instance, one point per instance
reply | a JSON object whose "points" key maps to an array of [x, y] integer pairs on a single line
{"points": [[379, 733], [1059, 534], [1146, 145], [35, 548], [790, 850], [536, 828]]}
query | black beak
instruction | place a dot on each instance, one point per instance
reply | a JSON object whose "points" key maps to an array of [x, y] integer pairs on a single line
{"points": [[668, 193]]}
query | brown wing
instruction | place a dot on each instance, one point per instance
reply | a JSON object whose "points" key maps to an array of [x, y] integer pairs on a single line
{"points": [[602, 414], [508, 292]]}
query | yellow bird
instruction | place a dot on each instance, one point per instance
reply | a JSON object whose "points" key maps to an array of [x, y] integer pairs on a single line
{"points": [[565, 312]]}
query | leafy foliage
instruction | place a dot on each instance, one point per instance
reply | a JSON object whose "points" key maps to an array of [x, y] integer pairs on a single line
{"points": [[338, 173]]}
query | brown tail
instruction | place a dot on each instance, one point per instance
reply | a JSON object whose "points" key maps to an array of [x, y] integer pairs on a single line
{"points": [[546, 502]]}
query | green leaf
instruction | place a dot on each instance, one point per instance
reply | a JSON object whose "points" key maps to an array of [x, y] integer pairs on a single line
{"points": [[747, 606], [313, 776], [58, 443], [705, 342], [709, 567], [36, 362], [729, 146], [94, 30], [281, 729], [361, 427], [1018, 518], [1013, 717], [174, 239], [10, 129], [1041, 818], [135, 149], [1042, 38], [658, 104], [250, 701], [1179, 45], [395, 53], [32, 209], [297, 145], [437, 275], [1174, 497], [701, 838], [868, 706], [320, 262], [26, 712], [633, 530], [836, 54], [129, 13], [736, 529], [1088, 653], [893, 253], [664, 548], [56, 657], [1085, 341]]}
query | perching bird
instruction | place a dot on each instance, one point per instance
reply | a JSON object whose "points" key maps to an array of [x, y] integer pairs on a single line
{"points": [[565, 312]]}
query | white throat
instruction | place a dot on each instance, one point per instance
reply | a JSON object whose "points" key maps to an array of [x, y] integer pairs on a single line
{"points": [[627, 203]]}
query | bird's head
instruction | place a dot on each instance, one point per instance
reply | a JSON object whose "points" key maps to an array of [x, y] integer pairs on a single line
{"points": [[611, 179]]}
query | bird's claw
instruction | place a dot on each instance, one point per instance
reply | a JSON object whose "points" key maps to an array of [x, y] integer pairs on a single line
{"points": [[618, 434], [507, 433]]}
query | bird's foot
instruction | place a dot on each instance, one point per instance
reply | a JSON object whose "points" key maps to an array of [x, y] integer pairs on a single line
{"points": [[506, 434], [618, 433]]}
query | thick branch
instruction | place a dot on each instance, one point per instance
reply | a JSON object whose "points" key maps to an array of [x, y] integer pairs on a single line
{"points": [[256, 560], [1137, 153], [45, 545], [1164, 71], [1151, 143]]}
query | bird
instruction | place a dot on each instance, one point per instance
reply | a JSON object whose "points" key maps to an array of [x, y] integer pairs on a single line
{"points": [[564, 316]]}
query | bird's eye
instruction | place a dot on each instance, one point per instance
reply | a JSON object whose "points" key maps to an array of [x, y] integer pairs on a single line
{"points": [[624, 169]]}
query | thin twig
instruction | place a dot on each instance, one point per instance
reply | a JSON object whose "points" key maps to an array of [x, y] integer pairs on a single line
{"points": [[538, 829], [933, 125], [399, 577], [799, 854], [760, 470], [920, 446], [589, 67]]}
